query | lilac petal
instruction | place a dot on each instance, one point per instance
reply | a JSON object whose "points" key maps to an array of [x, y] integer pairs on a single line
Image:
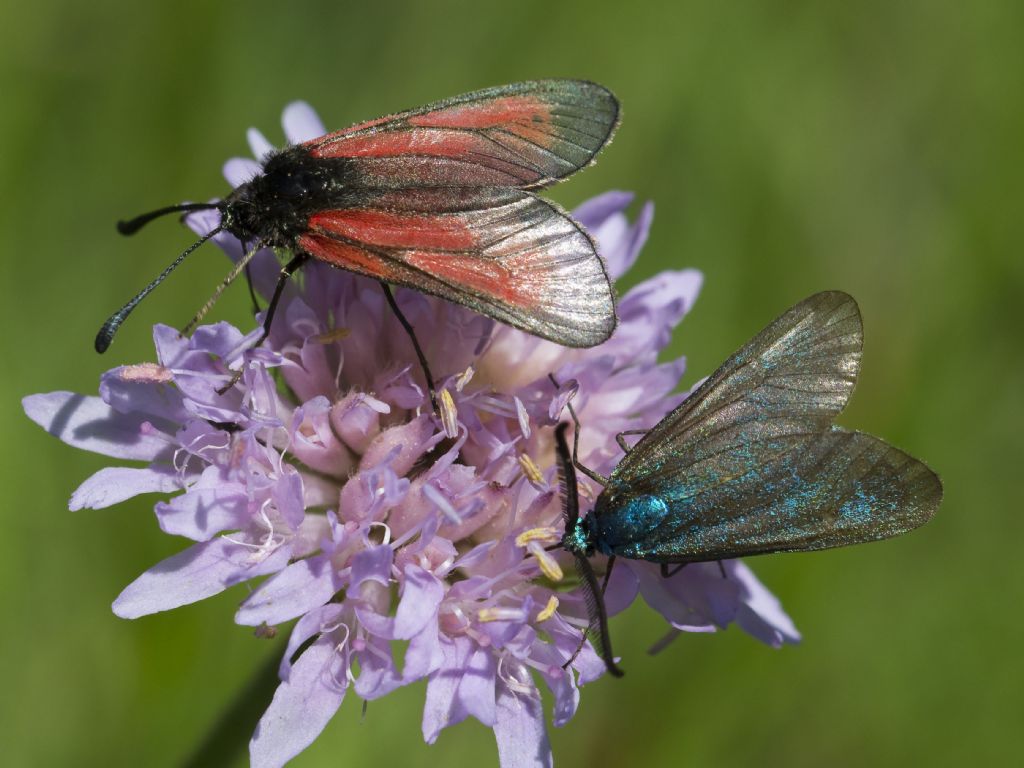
{"points": [[207, 508], [377, 674], [356, 419], [125, 391], [199, 572], [594, 212], [412, 440], [475, 694], [424, 654], [113, 485], [520, 732], [620, 242], [92, 425], [621, 591], [567, 639], [259, 145], [560, 682], [760, 613], [302, 706], [441, 687], [301, 123], [288, 497], [674, 597], [373, 564], [301, 587], [314, 442], [326, 619], [422, 593], [239, 170]]}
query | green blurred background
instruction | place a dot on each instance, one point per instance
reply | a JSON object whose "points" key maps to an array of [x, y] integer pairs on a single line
{"points": [[790, 147]]}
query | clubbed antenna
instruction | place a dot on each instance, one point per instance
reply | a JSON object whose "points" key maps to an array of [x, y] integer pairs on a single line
{"points": [[597, 631], [109, 328], [132, 226]]}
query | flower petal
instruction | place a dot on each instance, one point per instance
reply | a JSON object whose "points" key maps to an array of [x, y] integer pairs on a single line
{"points": [[520, 732], [377, 673], [475, 695], [301, 123], [113, 485], [92, 425], [760, 613], [301, 587], [594, 212], [438, 713], [199, 572], [424, 654], [259, 145], [422, 593], [239, 170], [208, 508], [302, 706]]}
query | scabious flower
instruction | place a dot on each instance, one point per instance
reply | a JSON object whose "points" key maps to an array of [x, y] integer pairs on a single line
{"points": [[325, 473]]}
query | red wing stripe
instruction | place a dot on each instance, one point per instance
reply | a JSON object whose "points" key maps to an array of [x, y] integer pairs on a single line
{"points": [[487, 114], [485, 277], [347, 256], [397, 230]]}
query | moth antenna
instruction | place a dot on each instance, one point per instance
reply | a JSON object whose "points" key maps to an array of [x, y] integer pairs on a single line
{"points": [[566, 478], [109, 328], [132, 226], [597, 630]]}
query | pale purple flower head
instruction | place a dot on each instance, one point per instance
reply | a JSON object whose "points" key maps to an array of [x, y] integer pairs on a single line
{"points": [[325, 474]]}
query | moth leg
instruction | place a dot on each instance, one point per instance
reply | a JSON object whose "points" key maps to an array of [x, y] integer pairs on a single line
{"points": [[415, 344], [252, 291], [607, 575], [286, 272], [621, 438], [597, 478], [667, 574], [248, 282], [243, 264], [721, 569]]}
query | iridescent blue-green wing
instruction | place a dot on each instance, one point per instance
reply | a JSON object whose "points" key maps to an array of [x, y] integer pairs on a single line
{"points": [[829, 490], [789, 381], [750, 463]]}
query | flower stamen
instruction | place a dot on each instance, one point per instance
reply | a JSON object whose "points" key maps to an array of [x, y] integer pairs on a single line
{"points": [[498, 613], [449, 414], [548, 610], [546, 534], [530, 470], [548, 565]]}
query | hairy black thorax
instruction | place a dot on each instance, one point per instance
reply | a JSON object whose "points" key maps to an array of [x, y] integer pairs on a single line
{"points": [[274, 207]]}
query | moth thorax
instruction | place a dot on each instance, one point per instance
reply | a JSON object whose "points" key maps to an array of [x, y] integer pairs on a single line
{"points": [[578, 538]]}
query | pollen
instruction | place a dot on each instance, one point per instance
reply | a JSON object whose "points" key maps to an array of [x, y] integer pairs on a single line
{"points": [[499, 614], [464, 378], [547, 534], [531, 470], [548, 565], [449, 414], [333, 335], [548, 610], [150, 373]]}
